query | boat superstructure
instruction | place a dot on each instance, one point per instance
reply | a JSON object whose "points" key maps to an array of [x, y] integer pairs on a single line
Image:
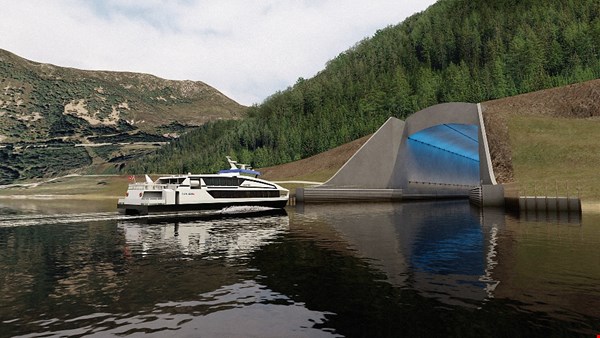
{"points": [[231, 187]]}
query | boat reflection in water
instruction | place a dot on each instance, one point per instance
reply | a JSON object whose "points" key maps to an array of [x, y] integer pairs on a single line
{"points": [[230, 233], [443, 250]]}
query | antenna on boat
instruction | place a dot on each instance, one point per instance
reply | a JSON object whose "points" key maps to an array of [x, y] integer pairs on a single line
{"points": [[244, 168], [232, 163]]}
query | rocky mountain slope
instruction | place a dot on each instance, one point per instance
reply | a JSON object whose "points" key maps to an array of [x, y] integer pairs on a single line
{"points": [[55, 119]]}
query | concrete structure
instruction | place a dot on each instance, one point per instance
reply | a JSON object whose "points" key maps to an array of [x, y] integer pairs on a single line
{"points": [[548, 204], [438, 152]]}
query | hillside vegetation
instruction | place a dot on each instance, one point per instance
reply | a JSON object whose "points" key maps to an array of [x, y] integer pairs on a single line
{"points": [[546, 141], [554, 156], [548, 137], [457, 50], [45, 110]]}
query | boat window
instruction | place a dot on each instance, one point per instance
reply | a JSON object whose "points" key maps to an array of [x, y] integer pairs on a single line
{"points": [[244, 193], [261, 183], [223, 181], [171, 180]]}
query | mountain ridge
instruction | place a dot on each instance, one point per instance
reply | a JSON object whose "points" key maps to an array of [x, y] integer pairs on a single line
{"points": [[52, 107]]}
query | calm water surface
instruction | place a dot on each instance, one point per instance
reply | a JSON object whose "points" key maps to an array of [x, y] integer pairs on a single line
{"points": [[415, 269]]}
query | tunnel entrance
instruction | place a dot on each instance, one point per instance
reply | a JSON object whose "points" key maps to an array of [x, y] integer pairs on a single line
{"points": [[443, 156], [438, 152]]}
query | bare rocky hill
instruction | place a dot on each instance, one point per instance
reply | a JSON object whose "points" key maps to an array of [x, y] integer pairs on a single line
{"points": [[46, 110]]}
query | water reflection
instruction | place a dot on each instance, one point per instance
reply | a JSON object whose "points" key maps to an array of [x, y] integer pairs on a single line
{"points": [[243, 309], [217, 235], [552, 267], [560, 217], [415, 269], [466, 257], [446, 250]]}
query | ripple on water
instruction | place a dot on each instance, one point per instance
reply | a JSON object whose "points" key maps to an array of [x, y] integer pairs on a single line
{"points": [[238, 310]]}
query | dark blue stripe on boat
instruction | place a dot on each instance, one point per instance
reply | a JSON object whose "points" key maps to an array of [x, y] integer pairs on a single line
{"points": [[240, 171]]}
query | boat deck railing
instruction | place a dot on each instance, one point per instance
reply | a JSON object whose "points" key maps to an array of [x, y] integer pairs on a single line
{"points": [[152, 186]]}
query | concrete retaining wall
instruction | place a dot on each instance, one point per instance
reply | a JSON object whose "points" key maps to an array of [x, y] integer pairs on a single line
{"points": [[549, 204], [347, 195]]}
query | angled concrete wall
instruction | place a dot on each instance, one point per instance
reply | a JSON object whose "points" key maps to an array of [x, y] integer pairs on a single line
{"points": [[485, 159], [373, 165]]}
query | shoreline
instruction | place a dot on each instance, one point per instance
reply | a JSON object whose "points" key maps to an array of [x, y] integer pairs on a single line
{"points": [[587, 207]]}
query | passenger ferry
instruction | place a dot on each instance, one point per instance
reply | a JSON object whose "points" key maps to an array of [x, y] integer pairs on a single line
{"points": [[237, 186]]}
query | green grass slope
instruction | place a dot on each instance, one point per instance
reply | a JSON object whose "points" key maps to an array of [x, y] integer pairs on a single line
{"points": [[556, 156], [546, 142]]}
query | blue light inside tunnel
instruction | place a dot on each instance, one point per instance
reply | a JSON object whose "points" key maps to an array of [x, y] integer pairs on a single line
{"points": [[459, 139]]}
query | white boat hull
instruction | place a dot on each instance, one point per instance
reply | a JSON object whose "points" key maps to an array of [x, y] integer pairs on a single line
{"points": [[147, 208]]}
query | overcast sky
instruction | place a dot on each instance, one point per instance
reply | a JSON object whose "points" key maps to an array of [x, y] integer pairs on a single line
{"points": [[246, 49]]}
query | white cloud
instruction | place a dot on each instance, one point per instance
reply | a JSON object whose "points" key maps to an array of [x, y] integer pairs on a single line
{"points": [[247, 50]]}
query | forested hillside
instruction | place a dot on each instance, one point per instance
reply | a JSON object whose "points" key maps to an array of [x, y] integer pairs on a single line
{"points": [[457, 50]]}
